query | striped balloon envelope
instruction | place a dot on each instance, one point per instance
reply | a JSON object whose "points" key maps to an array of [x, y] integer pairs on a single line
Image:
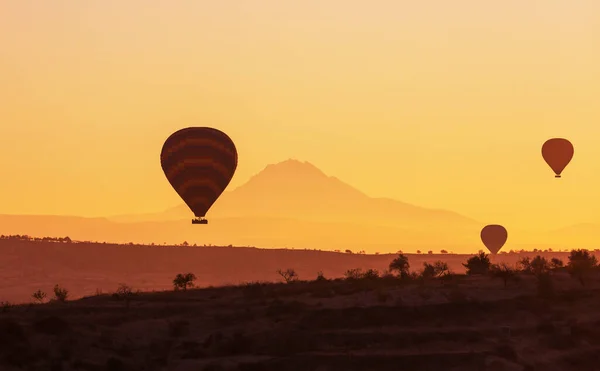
{"points": [[199, 163]]}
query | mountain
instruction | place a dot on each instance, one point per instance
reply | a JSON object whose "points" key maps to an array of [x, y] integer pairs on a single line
{"points": [[299, 190], [294, 204]]}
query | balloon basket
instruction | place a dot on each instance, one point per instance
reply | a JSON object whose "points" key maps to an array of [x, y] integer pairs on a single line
{"points": [[557, 176], [199, 221]]}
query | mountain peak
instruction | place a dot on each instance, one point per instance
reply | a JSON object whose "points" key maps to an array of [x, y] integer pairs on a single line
{"points": [[292, 167]]}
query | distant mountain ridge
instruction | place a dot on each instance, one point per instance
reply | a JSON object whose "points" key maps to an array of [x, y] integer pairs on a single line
{"points": [[294, 204], [299, 190]]}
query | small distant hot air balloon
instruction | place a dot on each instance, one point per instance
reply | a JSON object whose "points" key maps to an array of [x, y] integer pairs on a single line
{"points": [[199, 162], [557, 153], [494, 236]]}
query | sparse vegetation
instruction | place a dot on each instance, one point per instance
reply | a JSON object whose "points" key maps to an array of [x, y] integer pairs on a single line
{"points": [[353, 274], [556, 263], [39, 296], [581, 264], [60, 294], [426, 326], [289, 275], [321, 277], [400, 266], [503, 271], [183, 281], [434, 270], [478, 264]]}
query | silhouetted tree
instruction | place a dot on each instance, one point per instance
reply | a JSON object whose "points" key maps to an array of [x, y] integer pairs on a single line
{"points": [[125, 293], [39, 296], [353, 274], [185, 243], [183, 281], [370, 274], [400, 265], [504, 272], [321, 277], [556, 263], [429, 252], [289, 275], [434, 270], [418, 251], [524, 265], [539, 265], [478, 264], [60, 293], [443, 251], [581, 263], [348, 251]]}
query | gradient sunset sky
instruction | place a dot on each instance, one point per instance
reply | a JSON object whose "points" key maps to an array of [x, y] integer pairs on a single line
{"points": [[442, 104]]}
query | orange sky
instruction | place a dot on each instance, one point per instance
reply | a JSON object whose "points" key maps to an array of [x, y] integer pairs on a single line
{"points": [[437, 103]]}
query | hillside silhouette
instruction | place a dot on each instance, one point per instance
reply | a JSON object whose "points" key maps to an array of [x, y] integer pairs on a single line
{"points": [[86, 266], [537, 314]]}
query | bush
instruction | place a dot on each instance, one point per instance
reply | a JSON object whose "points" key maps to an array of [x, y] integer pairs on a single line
{"points": [[289, 275], [478, 264], [370, 274], [60, 294], [321, 277], [400, 265], [581, 264], [39, 296], [353, 274], [183, 281], [434, 270], [539, 265], [556, 263], [124, 293]]}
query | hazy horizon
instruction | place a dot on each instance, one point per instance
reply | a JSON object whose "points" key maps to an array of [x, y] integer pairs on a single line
{"points": [[439, 105]]}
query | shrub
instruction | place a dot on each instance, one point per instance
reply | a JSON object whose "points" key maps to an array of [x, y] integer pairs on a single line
{"points": [[60, 293], [539, 265], [321, 277], [580, 265], [478, 264], [353, 274], [400, 265], [289, 275], [183, 281], [39, 296], [370, 274], [556, 263]]}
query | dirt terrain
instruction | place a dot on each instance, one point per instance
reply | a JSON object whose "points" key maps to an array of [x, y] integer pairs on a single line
{"points": [[86, 268], [461, 323]]}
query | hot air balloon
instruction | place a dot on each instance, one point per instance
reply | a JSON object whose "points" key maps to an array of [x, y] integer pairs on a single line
{"points": [[557, 153], [494, 236], [199, 163]]}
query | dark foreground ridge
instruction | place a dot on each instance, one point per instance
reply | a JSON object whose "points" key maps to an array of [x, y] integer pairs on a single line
{"points": [[459, 323]]}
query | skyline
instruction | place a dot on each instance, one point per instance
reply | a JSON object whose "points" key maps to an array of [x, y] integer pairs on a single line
{"points": [[442, 107]]}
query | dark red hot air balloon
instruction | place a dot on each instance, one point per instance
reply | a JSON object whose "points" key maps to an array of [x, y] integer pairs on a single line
{"points": [[494, 236], [199, 162], [557, 153]]}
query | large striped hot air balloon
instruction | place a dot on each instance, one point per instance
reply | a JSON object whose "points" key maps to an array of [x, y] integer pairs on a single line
{"points": [[199, 162]]}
